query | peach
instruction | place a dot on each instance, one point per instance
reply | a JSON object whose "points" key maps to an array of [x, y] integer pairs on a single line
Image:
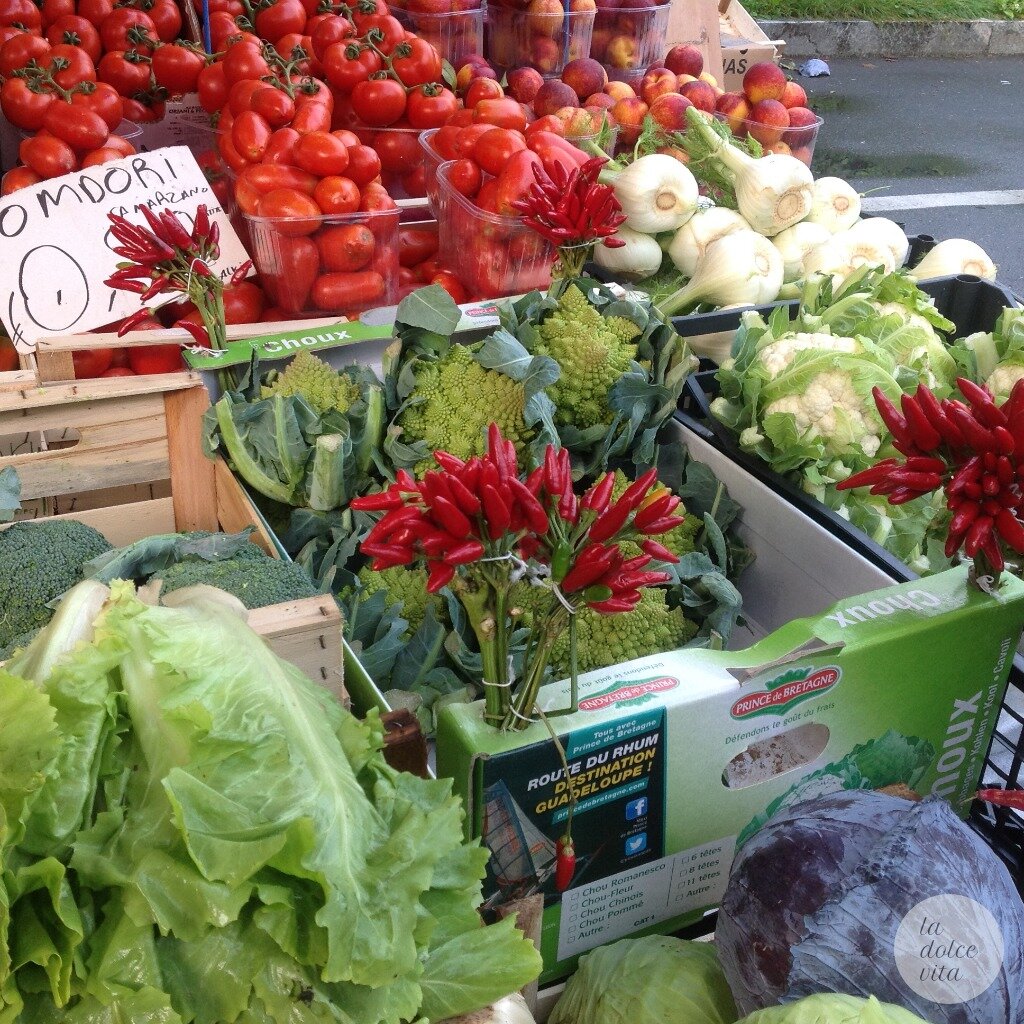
{"points": [[584, 76], [552, 96], [523, 84], [657, 82], [545, 17], [706, 76], [803, 154], [622, 52], [545, 54], [670, 111], [780, 148], [599, 101], [802, 124], [700, 94], [685, 59], [681, 80], [468, 72], [736, 109], [634, 16], [629, 115], [599, 40], [763, 81], [793, 96], [768, 121], [676, 153], [620, 91], [580, 6], [577, 122]]}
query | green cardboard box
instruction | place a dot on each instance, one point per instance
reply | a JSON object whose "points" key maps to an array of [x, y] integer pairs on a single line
{"points": [[677, 759]]}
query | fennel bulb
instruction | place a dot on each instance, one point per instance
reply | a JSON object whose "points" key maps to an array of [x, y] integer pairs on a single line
{"points": [[640, 257], [795, 243], [866, 251], [690, 241], [836, 205], [741, 268], [884, 232], [955, 256], [657, 193], [772, 192], [833, 258]]}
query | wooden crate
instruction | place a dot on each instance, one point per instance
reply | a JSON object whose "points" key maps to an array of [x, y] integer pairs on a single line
{"points": [[123, 455]]}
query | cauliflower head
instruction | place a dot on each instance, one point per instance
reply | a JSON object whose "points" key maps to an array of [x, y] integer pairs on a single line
{"points": [[1002, 379], [405, 584], [319, 384], [777, 356], [593, 351], [907, 316], [457, 399]]}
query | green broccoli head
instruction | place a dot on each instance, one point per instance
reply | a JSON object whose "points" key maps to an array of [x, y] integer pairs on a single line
{"points": [[408, 585], [318, 383], [256, 583], [458, 399], [680, 541], [593, 351], [39, 561]]}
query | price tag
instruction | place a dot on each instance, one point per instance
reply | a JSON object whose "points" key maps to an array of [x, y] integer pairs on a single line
{"points": [[56, 244]]}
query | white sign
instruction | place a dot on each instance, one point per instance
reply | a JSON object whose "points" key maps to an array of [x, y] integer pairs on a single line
{"points": [[56, 246]]}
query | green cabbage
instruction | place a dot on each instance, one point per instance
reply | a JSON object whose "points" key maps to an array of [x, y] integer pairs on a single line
{"points": [[649, 980], [834, 1009]]}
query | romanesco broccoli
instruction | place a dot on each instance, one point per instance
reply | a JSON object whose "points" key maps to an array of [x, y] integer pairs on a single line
{"points": [[408, 585], [39, 561], [593, 351], [459, 399], [679, 541], [255, 583], [318, 383]]}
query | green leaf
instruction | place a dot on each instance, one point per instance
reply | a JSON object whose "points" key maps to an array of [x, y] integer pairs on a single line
{"points": [[150, 555], [504, 352], [430, 309], [10, 493]]}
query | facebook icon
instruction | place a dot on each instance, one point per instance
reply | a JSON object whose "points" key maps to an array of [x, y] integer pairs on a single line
{"points": [[636, 808]]}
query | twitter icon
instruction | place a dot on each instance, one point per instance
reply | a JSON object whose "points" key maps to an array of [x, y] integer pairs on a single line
{"points": [[636, 844]]}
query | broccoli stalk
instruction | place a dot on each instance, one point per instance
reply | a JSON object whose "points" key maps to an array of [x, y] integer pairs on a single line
{"points": [[327, 480]]}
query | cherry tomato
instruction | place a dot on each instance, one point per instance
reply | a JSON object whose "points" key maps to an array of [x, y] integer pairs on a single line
{"points": [[166, 17], [493, 150], [331, 30], [274, 105], [244, 61], [92, 362], [103, 155], [222, 27], [321, 153], [80, 67], [94, 10], [20, 49], [375, 198], [244, 303], [346, 247], [415, 245], [281, 148], [280, 18], [8, 355], [240, 97], [212, 86], [398, 150], [51, 10], [102, 99], [430, 106], [379, 102], [482, 89], [21, 14], [125, 73], [290, 276], [464, 176], [18, 177], [298, 212], [23, 107], [487, 196], [338, 292], [335, 194], [363, 165], [312, 116], [125, 28], [346, 65], [78, 126], [177, 68], [76, 31], [47, 156], [451, 284], [416, 62], [505, 113], [250, 135]]}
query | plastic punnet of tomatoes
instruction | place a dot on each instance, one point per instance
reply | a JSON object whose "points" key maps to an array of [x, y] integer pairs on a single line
{"points": [[492, 255], [432, 160], [402, 166], [545, 37], [327, 264], [628, 42], [455, 28]]}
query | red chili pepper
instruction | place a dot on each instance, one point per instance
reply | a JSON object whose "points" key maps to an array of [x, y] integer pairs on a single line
{"points": [[397, 554], [609, 523], [984, 408], [467, 502], [445, 513], [565, 863], [990, 485], [938, 419], [174, 231], [656, 510], [535, 481], [383, 501], [553, 480], [976, 436], [127, 286], [901, 495], [496, 512], [536, 517], [925, 464], [130, 322], [198, 332], [660, 526], [468, 552], [1005, 443], [568, 507], [590, 566], [241, 273], [1003, 797], [992, 552], [597, 498], [391, 521], [440, 576], [449, 462], [659, 551], [978, 531], [922, 433], [922, 482], [201, 224], [963, 517], [637, 490], [892, 418], [967, 473], [876, 474], [1011, 530], [619, 603]]}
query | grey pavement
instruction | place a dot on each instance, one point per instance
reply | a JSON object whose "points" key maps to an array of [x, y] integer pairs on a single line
{"points": [[914, 126]]}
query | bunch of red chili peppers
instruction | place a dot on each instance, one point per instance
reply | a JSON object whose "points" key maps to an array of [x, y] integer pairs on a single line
{"points": [[572, 210], [974, 451], [166, 258]]}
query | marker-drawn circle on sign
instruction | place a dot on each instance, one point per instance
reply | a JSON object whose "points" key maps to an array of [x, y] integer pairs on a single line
{"points": [[54, 288]]}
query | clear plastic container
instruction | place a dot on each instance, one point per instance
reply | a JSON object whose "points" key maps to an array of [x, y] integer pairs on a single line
{"points": [[327, 265], [432, 161], [629, 41], [402, 170], [799, 141], [544, 41], [455, 35], [493, 256]]}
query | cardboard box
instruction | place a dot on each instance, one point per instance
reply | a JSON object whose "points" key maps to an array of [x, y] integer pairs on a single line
{"points": [[696, 22], [743, 43]]}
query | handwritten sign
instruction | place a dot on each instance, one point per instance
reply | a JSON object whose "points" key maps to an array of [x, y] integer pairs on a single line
{"points": [[56, 249]]}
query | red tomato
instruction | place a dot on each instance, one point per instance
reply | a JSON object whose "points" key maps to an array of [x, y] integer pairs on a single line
{"points": [[281, 149], [346, 65], [349, 139], [78, 126], [379, 102], [20, 49], [415, 245], [8, 355], [104, 155], [269, 177], [21, 14], [244, 61], [427, 269], [274, 105], [464, 176], [145, 111], [240, 96], [47, 156], [449, 282], [384, 30], [346, 247], [127, 75], [493, 150], [23, 107], [336, 293], [102, 99], [375, 198], [430, 106], [212, 86], [466, 140], [125, 28], [363, 165], [92, 362], [321, 153], [335, 194], [312, 116], [51, 10], [416, 62], [482, 89], [398, 150], [243, 303], [280, 18], [80, 67], [461, 118], [250, 135], [443, 141], [119, 145], [18, 177], [94, 10], [547, 123], [118, 371], [167, 18], [76, 31], [154, 358], [177, 67], [487, 197], [295, 212], [222, 28], [505, 113], [227, 150], [293, 270], [333, 29]]}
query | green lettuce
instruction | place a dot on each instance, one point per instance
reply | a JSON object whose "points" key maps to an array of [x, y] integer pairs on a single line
{"points": [[828, 1008]]}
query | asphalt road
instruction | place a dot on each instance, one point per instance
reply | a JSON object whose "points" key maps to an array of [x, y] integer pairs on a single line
{"points": [[910, 127]]}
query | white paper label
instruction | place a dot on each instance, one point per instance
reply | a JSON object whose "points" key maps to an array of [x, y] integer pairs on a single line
{"points": [[184, 123], [57, 250], [643, 896]]}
